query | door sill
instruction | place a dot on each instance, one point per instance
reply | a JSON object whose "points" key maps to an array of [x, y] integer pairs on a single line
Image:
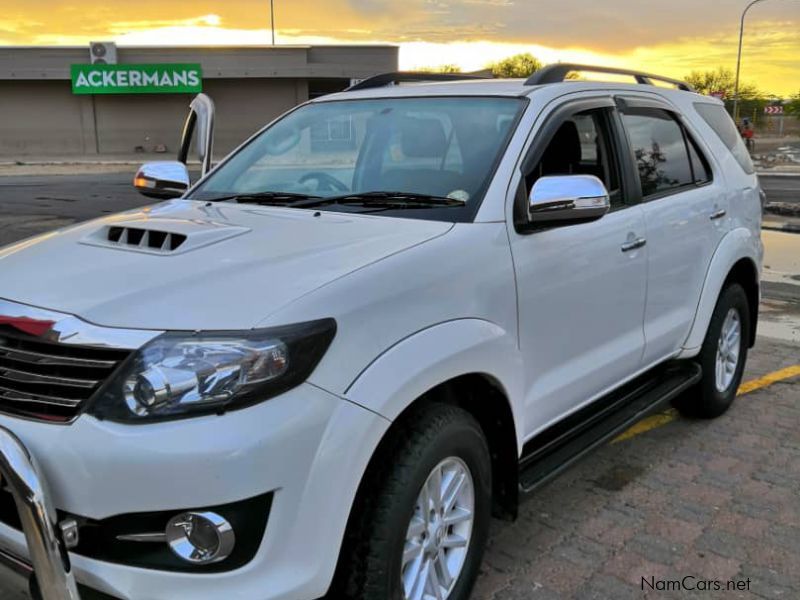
{"points": [[559, 446]]}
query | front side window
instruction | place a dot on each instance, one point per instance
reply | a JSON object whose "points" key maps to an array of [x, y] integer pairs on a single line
{"points": [[581, 146], [443, 147], [659, 149]]}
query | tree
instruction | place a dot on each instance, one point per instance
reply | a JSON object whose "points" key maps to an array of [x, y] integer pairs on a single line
{"points": [[450, 68], [792, 107], [721, 80], [519, 65]]}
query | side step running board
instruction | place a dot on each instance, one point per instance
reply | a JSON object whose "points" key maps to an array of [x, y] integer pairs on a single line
{"points": [[555, 449]]}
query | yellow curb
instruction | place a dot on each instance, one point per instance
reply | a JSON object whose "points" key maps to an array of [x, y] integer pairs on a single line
{"points": [[662, 418]]}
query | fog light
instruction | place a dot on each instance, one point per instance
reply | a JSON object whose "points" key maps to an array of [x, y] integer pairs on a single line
{"points": [[200, 537]]}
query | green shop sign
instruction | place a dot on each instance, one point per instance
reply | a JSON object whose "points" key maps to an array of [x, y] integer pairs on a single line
{"points": [[166, 78]]}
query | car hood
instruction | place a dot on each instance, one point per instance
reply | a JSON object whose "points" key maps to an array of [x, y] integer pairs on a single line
{"points": [[189, 265]]}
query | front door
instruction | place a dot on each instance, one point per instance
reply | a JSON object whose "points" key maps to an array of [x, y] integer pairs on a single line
{"points": [[581, 288]]}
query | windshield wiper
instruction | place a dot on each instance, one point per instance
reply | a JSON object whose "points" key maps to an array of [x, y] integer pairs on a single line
{"points": [[381, 199], [265, 198]]}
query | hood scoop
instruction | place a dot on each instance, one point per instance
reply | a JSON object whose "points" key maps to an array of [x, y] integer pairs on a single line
{"points": [[161, 241], [162, 236]]}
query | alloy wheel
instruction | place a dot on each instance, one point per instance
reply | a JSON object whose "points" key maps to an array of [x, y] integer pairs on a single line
{"points": [[728, 350], [438, 536]]}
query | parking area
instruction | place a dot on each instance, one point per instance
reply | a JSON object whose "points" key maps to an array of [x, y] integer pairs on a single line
{"points": [[673, 500], [682, 501]]}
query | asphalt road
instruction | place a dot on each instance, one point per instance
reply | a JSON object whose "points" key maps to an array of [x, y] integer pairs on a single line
{"points": [[76, 197], [781, 189]]}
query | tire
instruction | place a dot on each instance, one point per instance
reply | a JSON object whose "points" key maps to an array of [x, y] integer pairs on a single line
{"points": [[371, 565], [715, 394]]}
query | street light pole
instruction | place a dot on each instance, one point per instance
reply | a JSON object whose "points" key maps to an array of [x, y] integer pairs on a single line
{"points": [[739, 61], [272, 22]]}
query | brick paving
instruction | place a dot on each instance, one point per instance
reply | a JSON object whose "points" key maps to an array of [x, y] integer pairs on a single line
{"points": [[715, 500]]}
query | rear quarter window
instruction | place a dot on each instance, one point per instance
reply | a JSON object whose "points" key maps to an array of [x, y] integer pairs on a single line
{"points": [[720, 121]]}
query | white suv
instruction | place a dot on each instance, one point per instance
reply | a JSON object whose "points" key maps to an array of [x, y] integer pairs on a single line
{"points": [[383, 319]]}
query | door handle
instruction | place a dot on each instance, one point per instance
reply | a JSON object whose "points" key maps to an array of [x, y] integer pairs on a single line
{"points": [[633, 245], [718, 214]]}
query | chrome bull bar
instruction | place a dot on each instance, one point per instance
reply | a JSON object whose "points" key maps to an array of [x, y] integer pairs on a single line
{"points": [[48, 552]]}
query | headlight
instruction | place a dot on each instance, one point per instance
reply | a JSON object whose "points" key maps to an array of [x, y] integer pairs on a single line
{"points": [[179, 374]]}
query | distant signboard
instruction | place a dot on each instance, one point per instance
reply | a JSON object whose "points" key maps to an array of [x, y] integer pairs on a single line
{"points": [[166, 78], [773, 110]]}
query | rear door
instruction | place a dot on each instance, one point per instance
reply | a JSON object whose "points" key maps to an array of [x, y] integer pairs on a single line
{"points": [[685, 217]]}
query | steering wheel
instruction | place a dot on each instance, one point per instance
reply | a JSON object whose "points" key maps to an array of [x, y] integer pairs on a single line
{"points": [[325, 182]]}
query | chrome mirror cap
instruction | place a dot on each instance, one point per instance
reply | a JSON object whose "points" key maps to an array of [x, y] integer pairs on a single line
{"points": [[163, 179], [567, 199]]}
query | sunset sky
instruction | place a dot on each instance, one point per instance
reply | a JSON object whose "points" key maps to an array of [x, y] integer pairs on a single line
{"points": [[671, 37]]}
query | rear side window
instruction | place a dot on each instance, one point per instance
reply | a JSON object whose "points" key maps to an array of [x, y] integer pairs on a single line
{"points": [[720, 121], [659, 149]]}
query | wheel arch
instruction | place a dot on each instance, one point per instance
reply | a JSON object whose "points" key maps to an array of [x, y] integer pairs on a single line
{"points": [[737, 258], [484, 398], [745, 273]]}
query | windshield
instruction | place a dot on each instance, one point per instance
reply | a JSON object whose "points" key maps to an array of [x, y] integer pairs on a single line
{"points": [[439, 147]]}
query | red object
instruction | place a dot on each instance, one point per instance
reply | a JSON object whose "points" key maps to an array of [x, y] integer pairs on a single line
{"points": [[748, 133], [27, 325]]}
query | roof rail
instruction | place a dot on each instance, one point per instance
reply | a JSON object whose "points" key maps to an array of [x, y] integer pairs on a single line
{"points": [[558, 72], [408, 76]]}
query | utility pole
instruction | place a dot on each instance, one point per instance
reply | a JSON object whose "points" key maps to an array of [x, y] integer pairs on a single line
{"points": [[272, 22], [739, 62]]}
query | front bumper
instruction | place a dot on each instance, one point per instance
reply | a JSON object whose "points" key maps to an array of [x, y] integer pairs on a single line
{"points": [[307, 446]]}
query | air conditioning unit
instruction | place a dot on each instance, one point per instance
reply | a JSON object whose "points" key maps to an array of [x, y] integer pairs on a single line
{"points": [[103, 53]]}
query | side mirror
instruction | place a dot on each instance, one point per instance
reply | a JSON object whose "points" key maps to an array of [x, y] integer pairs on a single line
{"points": [[567, 199], [200, 121], [164, 179]]}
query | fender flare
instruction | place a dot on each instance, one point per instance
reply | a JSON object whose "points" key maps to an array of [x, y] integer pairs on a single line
{"points": [[432, 356], [738, 244]]}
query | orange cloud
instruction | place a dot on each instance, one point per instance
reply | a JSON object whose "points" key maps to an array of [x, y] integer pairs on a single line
{"points": [[672, 38]]}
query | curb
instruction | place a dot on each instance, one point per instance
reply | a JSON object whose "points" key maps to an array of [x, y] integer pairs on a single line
{"points": [[778, 174], [60, 163], [784, 209], [102, 163], [783, 227]]}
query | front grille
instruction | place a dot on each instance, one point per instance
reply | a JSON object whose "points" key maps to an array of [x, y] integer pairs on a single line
{"points": [[50, 381]]}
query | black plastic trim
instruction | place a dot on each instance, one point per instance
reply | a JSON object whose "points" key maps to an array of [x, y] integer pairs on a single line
{"points": [[556, 448], [384, 79], [98, 538]]}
